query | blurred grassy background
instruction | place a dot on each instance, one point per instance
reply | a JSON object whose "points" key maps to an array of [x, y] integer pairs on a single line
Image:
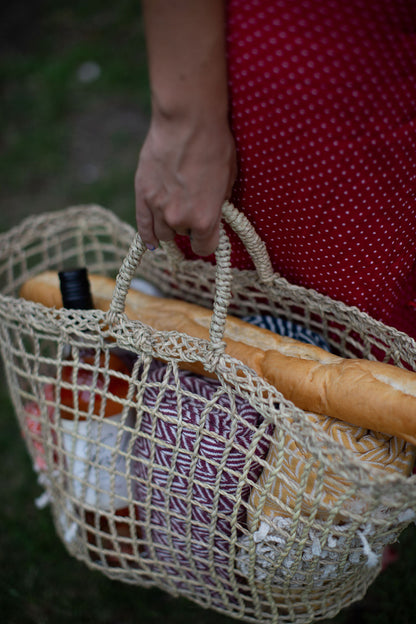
{"points": [[75, 109]]}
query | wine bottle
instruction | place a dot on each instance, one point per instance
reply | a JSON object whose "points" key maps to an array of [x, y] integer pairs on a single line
{"points": [[94, 385]]}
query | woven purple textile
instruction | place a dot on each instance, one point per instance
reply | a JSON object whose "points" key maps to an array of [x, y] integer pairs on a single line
{"points": [[166, 473]]}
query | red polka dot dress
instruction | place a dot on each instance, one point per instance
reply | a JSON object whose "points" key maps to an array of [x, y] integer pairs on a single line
{"points": [[323, 110]]}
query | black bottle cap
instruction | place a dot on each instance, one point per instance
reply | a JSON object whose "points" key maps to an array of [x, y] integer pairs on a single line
{"points": [[75, 289]]}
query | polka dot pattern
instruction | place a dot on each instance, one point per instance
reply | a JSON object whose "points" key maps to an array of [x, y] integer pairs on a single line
{"points": [[323, 98]]}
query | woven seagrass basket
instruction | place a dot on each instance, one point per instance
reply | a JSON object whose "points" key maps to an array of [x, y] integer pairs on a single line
{"points": [[189, 468]]}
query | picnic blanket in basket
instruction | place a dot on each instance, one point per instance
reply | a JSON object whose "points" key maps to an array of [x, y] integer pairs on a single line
{"points": [[234, 497]]}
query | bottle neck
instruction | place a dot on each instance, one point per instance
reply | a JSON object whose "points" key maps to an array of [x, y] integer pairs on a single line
{"points": [[75, 289], [76, 295]]}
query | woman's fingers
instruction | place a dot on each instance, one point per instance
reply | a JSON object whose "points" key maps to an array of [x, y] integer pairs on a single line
{"points": [[144, 217], [205, 234]]}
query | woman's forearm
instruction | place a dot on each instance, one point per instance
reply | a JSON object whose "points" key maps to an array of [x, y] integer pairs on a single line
{"points": [[187, 58]]}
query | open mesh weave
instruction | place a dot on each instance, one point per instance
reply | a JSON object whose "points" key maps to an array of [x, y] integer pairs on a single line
{"points": [[168, 502]]}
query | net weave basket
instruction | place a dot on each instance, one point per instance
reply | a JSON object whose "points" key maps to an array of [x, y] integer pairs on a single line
{"points": [[189, 451]]}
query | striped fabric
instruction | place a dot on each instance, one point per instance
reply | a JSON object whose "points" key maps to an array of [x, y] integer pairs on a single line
{"points": [[165, 477], [288, 329], [181, 424]]}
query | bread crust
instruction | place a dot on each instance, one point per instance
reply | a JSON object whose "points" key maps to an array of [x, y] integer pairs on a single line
{"points": [[369, 394]]}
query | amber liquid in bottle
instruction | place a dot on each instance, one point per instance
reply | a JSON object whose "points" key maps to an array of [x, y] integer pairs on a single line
{"points": [[93, 442]]}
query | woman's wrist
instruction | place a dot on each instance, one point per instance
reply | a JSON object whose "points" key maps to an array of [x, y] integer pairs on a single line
{"points": [[188, 117]]}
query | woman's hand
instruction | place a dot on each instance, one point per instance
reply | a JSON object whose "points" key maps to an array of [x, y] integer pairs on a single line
{"points": [[186, 170]]}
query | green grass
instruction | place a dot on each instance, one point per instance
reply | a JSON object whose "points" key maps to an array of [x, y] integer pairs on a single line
{"points": [[55, 129], [45, 106]]}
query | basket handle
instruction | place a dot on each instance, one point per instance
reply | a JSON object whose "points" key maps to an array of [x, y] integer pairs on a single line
{"points": [[223, 277], [248, 235]]}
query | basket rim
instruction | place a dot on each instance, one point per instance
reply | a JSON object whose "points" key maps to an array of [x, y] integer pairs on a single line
{"points": [[321, 301]]}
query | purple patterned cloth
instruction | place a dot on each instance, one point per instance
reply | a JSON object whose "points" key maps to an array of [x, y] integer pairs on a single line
{"points": [[165, 473]]}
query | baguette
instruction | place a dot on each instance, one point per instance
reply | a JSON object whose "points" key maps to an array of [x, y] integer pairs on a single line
{"points": [[368, 394]]}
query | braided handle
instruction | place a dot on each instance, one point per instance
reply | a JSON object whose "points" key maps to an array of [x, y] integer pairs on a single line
{"points": [[223, 278], [254, 245], [251, 240]]}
